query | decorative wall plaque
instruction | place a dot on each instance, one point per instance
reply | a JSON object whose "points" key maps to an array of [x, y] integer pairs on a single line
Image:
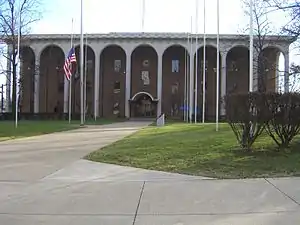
{"points": [[117, 65], [146, 63], [116, 109], [145, 77]]}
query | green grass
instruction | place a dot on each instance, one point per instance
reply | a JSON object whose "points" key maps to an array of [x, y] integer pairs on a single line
{"points": [[200, 150], [33, 128]]}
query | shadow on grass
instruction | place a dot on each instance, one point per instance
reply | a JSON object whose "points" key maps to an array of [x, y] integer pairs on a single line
{"points": [[238, 164]]}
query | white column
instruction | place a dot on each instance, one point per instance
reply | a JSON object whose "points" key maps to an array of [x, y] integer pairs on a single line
{"points": [[286, 71], [97, 83], [159, 82], [223, 81], [8, 79], [127, 83], [37, 84]]}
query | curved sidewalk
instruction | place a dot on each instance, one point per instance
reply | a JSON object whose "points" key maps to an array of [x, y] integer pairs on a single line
{"points": [[44, 181]]}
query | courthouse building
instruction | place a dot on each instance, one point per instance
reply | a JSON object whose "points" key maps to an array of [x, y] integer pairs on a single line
{"points": [[139, 74]]}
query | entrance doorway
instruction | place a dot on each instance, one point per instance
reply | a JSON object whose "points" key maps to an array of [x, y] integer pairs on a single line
{"points": [[143, 105]]}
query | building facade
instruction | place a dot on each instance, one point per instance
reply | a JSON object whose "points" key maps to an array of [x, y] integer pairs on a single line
{"points": [[140, 74]]}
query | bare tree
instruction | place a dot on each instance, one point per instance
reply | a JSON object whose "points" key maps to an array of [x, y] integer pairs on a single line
{"points": [[265, 33], [11, 11], [291, 9]]}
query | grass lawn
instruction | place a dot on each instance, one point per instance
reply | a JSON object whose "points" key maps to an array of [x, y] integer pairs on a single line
{"points": [[200, 150], [32, 128]]}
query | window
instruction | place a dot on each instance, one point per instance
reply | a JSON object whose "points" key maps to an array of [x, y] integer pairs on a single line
{"points": [[175, 66], [117, 87]]}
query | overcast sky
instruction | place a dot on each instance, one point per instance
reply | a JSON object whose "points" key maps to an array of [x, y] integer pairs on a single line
{"points": [[102, 16]]}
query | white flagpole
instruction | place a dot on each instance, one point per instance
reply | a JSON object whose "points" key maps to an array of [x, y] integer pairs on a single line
{"points": [[251, 48], [218, 64], [191, 74], [188, 80], [85, 76], [143, 14], [196, 67], [18, 67], [70, 82], [81, 66], [204, 63], [185, 82]]}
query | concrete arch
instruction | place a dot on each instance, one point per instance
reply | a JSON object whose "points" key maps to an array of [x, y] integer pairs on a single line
{"points": [[234, 46], [208, 48], [237, 52], [142, 93], [112, 80], [273, 46], [110, 45], [89, 57], [237, 69], [144, 72], [51, 98], [175, 66], [26, 47], [89, 49], [89, 46], [268, 67], [50, 46], [210, 45], [28, 72], [143, 46], [175, 45], [210, 80]]}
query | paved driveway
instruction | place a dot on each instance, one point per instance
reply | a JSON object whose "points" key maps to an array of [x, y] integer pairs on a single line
{"points": [[33, 158], [43, 181]]}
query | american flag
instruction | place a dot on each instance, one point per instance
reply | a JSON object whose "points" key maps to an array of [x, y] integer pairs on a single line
{"points": [[68, 63]]}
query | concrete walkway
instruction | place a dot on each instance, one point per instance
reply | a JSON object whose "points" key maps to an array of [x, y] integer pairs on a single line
{"points": [[31, 159], [44, 181]]}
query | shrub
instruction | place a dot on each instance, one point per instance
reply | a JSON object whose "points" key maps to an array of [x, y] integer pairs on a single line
{"points": [[246, 114], [283, 117]]}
